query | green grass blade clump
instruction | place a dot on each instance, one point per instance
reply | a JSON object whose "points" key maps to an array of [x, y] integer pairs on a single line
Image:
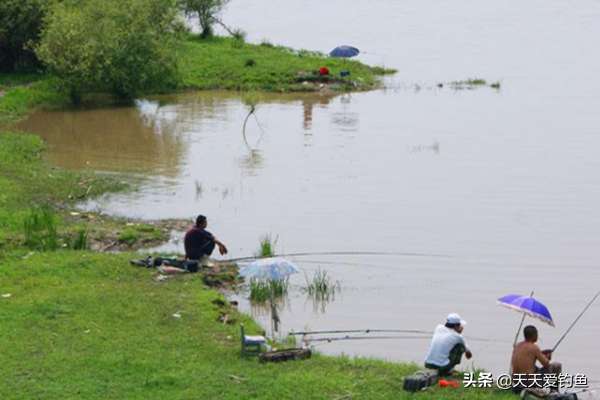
{"points": [[39, 229], [81, 241], [321, 286], [262, 290], [267, 246]]}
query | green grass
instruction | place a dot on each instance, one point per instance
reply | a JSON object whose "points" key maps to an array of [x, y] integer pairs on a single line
{"points": [[266, 246], [81, 325], [136, 233], [270, 289], [27, 182], [321, 286], [39, 229], [26, 92], [226, 63], [215, 63]]}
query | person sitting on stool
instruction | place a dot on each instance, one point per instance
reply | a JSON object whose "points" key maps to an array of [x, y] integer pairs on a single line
{"points": [[447, 346]]}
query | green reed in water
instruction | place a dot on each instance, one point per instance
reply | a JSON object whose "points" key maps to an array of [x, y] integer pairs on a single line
{"points": [[321, 286], [269, 289], [267, 246]]}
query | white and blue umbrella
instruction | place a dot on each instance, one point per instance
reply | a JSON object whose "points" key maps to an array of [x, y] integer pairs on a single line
{"points": [[272, 268]]}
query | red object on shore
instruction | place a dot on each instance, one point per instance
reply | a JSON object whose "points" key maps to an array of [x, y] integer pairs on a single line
{"points": [[323, 71], [448, 383]]}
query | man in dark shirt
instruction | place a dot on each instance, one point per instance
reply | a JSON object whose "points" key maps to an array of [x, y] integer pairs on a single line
{"points": [[199, 242]]}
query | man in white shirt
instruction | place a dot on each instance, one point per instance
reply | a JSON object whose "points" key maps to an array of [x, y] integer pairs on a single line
{"points": [[447, 346]]}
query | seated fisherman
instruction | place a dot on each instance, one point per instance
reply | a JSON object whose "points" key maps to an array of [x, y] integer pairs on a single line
{"points": [[199, 242], [447, 346], [523, 363]]}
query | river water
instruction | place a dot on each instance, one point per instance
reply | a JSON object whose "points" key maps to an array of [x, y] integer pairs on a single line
{"points": [[498, 190]]}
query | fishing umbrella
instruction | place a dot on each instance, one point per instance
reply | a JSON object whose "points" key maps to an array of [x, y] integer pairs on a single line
{"points": [[344, 52], [527, 305], [272, 268]]}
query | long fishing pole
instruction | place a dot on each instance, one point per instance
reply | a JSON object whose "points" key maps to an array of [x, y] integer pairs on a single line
{"points": [[344, 253], [292, 333], [349, 337], [426, 334], [335, 339], [576, 320]]}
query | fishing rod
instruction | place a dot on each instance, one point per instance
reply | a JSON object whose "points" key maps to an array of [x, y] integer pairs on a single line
{"points": [[343, 253], [576, 320], [292, 333], [335, 339], [349, 337], [426, 334]]}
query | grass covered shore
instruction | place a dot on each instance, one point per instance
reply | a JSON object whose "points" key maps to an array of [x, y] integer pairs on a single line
{"points": [[83, 324], [228, 63], [213, 63]]}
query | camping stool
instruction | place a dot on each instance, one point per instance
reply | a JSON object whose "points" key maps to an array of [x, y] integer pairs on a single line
{"points": [[251, 345]]}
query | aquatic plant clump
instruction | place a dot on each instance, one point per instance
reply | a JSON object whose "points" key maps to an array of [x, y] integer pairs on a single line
{"points": [[267, 246], [321, 285], [269, 289], [472, 83]]}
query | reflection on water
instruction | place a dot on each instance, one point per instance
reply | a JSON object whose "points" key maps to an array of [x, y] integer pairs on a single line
{"points": [[252, 162], [154, 136], [143, 138], [268, 312]]}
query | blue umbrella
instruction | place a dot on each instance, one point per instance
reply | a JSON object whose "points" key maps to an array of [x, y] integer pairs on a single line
{"points": [[273, 268], [344, 52], [528, 306]]}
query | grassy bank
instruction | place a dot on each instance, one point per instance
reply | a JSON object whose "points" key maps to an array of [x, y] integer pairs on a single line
{"points": [[215, 63], [85, 325], [29, 187], [227, 63], [81, 324]]}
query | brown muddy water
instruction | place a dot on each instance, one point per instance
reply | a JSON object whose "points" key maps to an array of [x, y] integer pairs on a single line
{"points": [[504, 183]]}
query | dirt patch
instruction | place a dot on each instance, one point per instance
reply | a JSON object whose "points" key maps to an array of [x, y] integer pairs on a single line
{"points": [[221, 275], [106, 233]]}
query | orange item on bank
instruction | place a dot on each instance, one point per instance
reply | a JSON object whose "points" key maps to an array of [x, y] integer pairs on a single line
{"points": [[447, 383]]}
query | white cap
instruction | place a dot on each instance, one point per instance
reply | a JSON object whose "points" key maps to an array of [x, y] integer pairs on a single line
{"points": [[454, 318]]}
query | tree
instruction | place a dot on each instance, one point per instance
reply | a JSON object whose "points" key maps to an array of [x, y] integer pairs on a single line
{"points": [[206, 11], [119, 46], [20, 26]]}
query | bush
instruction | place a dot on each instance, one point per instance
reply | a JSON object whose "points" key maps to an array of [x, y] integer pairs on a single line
{"points": [[206, 11], [123, 47], [20, 26]]}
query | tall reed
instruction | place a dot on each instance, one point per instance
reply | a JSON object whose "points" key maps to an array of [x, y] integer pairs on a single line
{"points": [[39, 229], [321, 286], [267, 246], [262, 290]]}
